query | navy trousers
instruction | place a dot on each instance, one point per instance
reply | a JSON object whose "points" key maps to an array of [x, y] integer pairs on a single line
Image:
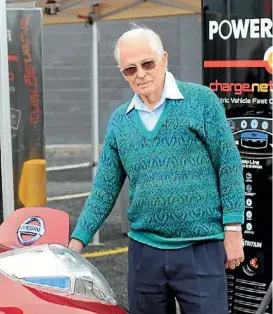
{"points": [[194, 275]]}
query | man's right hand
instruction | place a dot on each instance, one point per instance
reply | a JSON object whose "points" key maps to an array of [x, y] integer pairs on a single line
{"points": [[75, 245]]}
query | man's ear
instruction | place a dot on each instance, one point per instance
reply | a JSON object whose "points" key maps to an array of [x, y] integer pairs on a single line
{"points": [[165, 57]]}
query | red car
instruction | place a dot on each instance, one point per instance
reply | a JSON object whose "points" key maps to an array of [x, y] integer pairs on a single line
{"points": [[39, 274]]}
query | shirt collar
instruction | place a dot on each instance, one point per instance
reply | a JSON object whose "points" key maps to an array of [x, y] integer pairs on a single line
{"points": [[170, 91]]}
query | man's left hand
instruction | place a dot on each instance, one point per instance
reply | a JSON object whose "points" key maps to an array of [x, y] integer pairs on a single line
{"points": [[234, 248]]}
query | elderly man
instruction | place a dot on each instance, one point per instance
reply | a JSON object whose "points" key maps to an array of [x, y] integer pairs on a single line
{"points": [[186, 187]]}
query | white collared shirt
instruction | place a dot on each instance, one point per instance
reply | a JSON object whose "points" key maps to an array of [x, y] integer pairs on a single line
{"points": [[151, 117]]}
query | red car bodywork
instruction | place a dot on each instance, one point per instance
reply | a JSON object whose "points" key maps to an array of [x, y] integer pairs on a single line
{"points": [[4, 248], [17, 298]]}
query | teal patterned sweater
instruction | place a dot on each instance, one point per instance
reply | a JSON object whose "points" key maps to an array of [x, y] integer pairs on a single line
{"points": [[185, 176]]}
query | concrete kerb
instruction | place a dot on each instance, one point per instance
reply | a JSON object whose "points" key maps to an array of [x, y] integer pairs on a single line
{"points": [[69, 150], [74, 162]]}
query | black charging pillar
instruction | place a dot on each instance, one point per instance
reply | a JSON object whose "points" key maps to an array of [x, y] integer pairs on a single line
{"points": [[237, 66]]}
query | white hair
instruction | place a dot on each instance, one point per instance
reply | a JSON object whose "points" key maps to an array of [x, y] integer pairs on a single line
{"points": [[143, 33]]}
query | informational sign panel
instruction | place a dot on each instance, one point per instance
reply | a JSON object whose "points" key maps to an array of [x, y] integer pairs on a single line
{"points": [[237, 66], [24, 33]]}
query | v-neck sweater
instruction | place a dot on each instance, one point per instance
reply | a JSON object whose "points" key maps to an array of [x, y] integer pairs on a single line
{"points": [[185, 176]]}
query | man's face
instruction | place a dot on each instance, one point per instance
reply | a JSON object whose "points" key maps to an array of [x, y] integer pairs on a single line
{"points": [[144, 82]]}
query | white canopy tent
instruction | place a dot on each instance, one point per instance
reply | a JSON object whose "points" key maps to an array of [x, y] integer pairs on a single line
{"points": [[76, 11]]}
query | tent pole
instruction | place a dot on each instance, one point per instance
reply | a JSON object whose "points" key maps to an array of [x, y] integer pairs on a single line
{"points": [[5, 124], [95, 111]]}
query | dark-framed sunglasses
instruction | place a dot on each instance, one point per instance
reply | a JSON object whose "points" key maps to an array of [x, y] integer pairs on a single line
{"points": [[146, 66]]}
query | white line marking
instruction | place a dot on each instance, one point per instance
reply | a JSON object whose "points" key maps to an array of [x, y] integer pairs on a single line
{"points": [[68, 146], [75, 166], [67, 197]]}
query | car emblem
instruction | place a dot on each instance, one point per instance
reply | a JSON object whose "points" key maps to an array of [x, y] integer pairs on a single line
{"points": [[31, 230]]}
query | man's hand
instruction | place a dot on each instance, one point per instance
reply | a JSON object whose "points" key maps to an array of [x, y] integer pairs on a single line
{"points": [[75, 245], [234, 248]]}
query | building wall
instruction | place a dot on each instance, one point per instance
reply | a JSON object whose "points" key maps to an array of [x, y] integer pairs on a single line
{"points": [[67, 54]]}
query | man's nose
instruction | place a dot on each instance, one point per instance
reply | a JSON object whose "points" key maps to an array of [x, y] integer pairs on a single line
{"points": [[140, 72]]}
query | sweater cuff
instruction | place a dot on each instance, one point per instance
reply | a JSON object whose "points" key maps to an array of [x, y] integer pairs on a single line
{"points": [[232, 218], [80, 236]]}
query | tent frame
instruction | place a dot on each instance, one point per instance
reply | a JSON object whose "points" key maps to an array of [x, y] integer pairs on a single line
{"points": [[139, 2]]}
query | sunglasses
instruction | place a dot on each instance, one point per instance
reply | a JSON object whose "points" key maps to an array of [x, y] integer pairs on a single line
{"points": [[146, 65]]}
